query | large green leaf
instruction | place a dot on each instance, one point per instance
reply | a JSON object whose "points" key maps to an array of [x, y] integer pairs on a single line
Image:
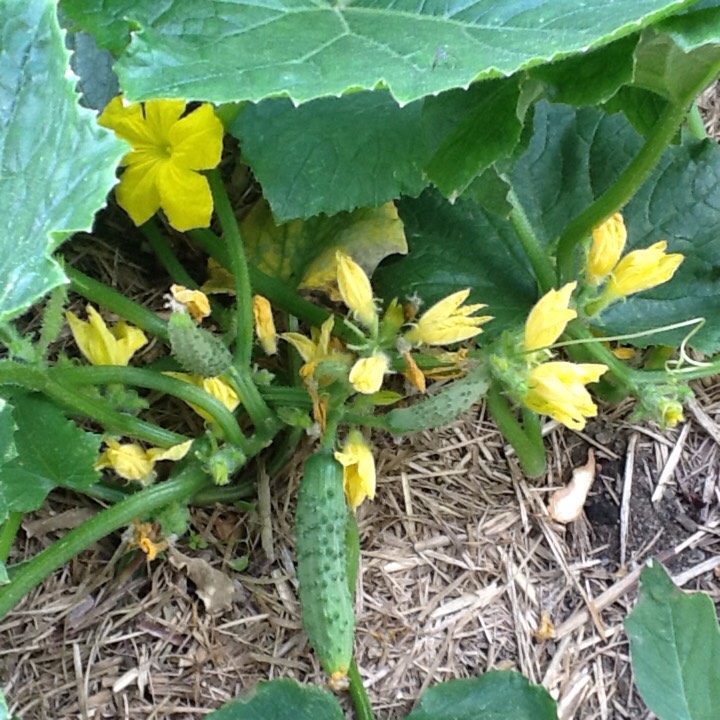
{"points": [[575, 156], [333, 154], [698, 26], [496, 695], [675, 649], [281, 700], [56, 164], [452, 247], [51, 452], [223, 50]]}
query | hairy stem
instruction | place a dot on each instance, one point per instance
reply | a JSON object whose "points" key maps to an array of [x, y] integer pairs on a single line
{"points": [[8, 531], [164, 253]]}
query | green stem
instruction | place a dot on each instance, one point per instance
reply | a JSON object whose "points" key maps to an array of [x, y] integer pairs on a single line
{"points": [[164, 253], [619, 194], [541, 265], [264, 419], [140, 504], [529, 448], [359, 695], [105, 296], [12, 373], [8, 531], [238, 267], [695, 123], [140, 377]]}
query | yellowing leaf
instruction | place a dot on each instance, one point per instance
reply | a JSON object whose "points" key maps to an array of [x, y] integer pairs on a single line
{"points": [[302, 252]]}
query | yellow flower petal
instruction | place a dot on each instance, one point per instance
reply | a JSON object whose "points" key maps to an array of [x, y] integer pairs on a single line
{"points": [[367, 373], [195, 301], [304, 345], [128, 460], [197, 139], [412, 373], [355, 290], [558, 389], [358, 469], [447, 322], [608, 243], [175, 452], [137, 192], [184, 196], [102, 346], [215, 386], [264, 324], [548, 318], [643, 269]]}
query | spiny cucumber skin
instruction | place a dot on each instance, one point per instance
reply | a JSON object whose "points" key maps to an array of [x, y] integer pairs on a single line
{"points": [[197, 350], [325, 599]]}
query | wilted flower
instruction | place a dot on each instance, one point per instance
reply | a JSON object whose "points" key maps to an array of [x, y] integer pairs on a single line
{"points": [[548, 318], [643, 269], [367, 373], [608, 242], [672, 413], [168, 150], [413, 374], [447, 321], [133, 462], [356, 291], [104, 346], [358, 469], [264, 324], [558, 389], [194, 301], [215, 386]]}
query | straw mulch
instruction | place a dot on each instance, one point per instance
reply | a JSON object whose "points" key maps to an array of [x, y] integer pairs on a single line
{"points": [[462, 571]]}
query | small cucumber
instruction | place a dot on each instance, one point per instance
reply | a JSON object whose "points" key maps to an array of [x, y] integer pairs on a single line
{"points": [[325, 598], [197, 350]]}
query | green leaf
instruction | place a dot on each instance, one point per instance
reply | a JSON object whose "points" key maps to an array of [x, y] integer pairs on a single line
{"points": [[698, 26], [333, 154], [4, 580], [675, 649], [303, 252], [57, 165], [477, 126], [281, 700], [591, 78], [307, 50], [452, 247], [641, 107], [496, 695], [8, 450], [664, 68], [97, 82], [51, 452]]}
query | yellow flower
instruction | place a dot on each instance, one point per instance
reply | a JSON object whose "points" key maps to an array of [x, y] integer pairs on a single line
{"points": [[643, 269], [358, 469], [215, 386], [143, 538], [133, 462], [104, 346], [167, 151], [548, 318], [194, 301], [558, 389], [356, 291], [264, 324], [367, 373], [447, 321], [313, 350], [672, 413], [412, 372], [608, 242]]}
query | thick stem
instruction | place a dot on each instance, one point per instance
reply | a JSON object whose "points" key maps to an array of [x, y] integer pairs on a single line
{"points": [[108, 298], [12, 373], [619, 194], [529, 450], [538, 257], [164, 253], [238, 268], [8, 531], [32, 573], [141, 377], [264, 419]]}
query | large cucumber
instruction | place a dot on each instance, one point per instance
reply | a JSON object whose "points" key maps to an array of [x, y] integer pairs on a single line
{"points": [[325, 599]]}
